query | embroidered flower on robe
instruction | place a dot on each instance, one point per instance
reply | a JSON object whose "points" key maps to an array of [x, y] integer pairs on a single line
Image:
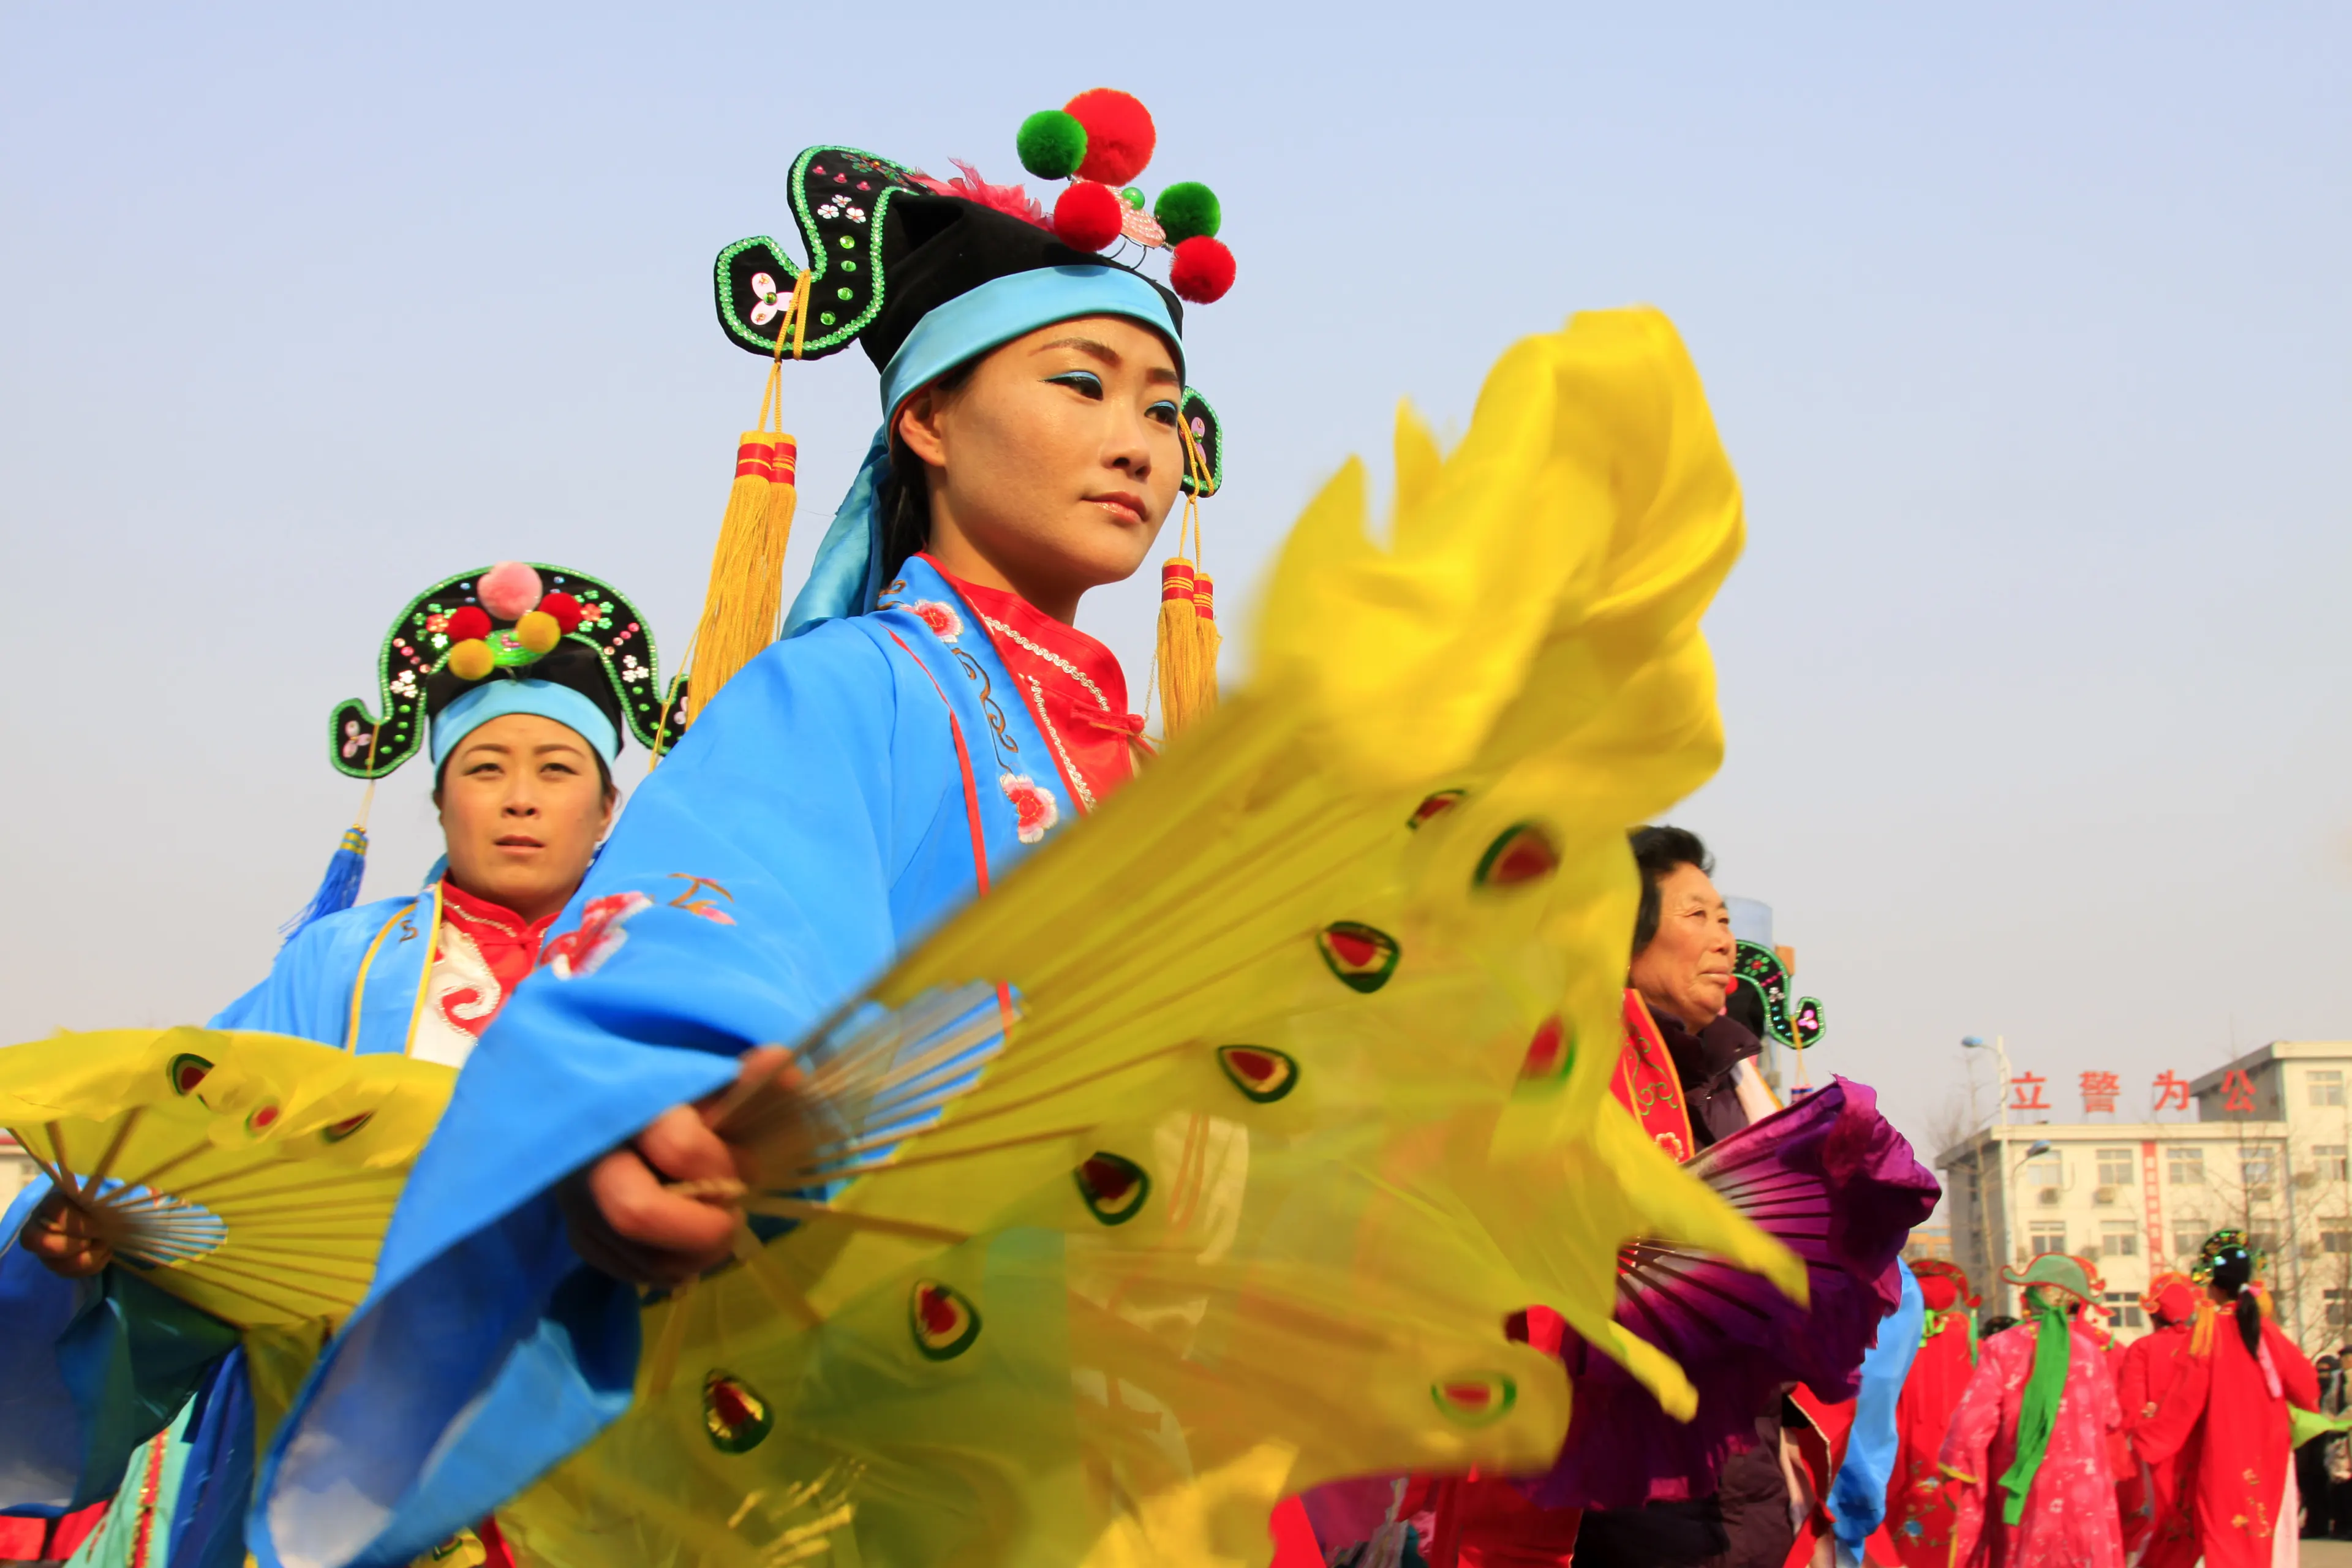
{"points": [[600, 936], [945, 624], [1033, 804]]}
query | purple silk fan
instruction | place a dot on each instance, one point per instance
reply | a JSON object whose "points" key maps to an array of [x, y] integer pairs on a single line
{"points": [[1831, 1180]]}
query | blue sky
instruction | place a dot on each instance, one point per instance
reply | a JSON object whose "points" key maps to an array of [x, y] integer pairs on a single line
{"points": [[2027, 327]]}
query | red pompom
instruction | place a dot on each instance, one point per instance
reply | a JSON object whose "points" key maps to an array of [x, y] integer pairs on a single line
{"points": [[1202, 270], [1088, 215], [566, 611], [1119, 134], [468, 624]]}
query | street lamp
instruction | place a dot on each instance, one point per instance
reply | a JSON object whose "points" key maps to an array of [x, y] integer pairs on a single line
{"points": [[1999, 1049]]}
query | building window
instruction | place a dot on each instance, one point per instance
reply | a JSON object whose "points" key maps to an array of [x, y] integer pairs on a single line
{"points": [[2339, 1308], [2334, 1236], [2047, 1235], [2118, 1238], [2257, 1166], [2114, 1167], [2046, 1170], [2186, 1166], [2327, 1160], [2264, 1242], [2326, 1089], [2123, 1311], [2187, 1237]]}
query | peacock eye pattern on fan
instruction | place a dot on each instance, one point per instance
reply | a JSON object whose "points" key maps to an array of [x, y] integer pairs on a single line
{"points": [[1113, 1187], [1475, 1399], [1551, 1053], [942, 1319], [260, 1119], [1262, 1074], [186, 1071], [1435, 806], [1523, 854], [734, 1416], [1361, 956], [346, 1127]]}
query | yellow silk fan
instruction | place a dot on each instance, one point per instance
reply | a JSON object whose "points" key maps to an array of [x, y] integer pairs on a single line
{"points": [[251, 1175], [1306, 1086]]}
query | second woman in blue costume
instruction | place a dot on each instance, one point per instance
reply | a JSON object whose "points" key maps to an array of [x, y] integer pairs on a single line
{"points": [[522, 718]]}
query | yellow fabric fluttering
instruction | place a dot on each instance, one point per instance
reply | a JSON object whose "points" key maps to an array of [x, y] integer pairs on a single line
{"points": [[249, 1174], [1241, 1202]]}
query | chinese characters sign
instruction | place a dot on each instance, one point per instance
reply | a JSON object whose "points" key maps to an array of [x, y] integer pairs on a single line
{"points": [[2102, 1093], [2099, 1092]]}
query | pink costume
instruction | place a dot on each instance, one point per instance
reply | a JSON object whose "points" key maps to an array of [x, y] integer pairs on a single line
{"points": [[2070, 1519]]}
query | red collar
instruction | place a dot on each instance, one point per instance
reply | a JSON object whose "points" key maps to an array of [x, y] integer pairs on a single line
{"points": [[1072, 684], [482, 919]]}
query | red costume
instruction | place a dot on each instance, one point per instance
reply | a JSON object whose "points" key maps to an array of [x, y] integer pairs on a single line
{"points": [[1920, 1513], [2166, 1529], [2232, 1403]]}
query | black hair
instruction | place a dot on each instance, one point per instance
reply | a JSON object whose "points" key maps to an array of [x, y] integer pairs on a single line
{"points": [[2233, 1270], [1996, 1324], [905, 498], [1657, 850]]}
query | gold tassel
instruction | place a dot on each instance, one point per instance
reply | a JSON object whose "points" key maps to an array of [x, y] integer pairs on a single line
{"points": [[743, 607], [1186, 654], [1177, 652], [1207, 640]]}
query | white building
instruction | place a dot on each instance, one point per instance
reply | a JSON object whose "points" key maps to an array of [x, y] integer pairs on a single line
{"points": [[2266, 1154]]}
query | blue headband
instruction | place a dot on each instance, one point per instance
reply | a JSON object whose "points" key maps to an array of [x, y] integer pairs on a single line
{"points": [[497, 698], [847, 573]]}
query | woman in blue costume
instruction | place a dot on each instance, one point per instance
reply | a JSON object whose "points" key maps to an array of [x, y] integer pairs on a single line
{"points": [[929, 717], [528, 678]]}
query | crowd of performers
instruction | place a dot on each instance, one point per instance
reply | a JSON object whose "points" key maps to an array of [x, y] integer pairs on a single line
{"points": [[930, 719], [2049, 1440]]}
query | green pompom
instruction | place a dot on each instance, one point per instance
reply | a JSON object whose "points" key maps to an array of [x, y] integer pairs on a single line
{"points": [[1052, 144], [1188, 210], [1133, 197]]}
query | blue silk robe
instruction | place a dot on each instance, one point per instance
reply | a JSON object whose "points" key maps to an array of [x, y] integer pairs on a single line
{"points": [[90, 1370], [847, 790]]}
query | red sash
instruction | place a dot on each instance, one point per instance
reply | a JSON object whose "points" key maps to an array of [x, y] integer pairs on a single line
{"points": [[1645, 1082]]}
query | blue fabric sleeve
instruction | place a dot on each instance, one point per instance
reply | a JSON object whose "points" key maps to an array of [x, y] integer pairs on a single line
{"points": [[1857, 1500], [40, 1430], [750, 886], [216, 1473], [89, 1370]]}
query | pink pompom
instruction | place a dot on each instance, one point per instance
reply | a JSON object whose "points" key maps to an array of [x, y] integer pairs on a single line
{"points": [[509, 590]]}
